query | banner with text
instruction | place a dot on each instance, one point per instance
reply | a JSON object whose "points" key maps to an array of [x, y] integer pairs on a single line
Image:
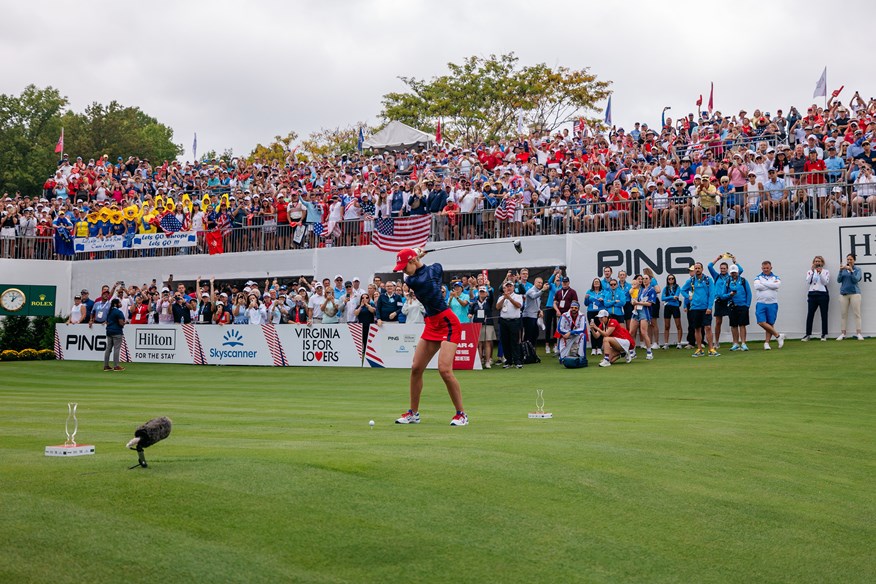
{"points": [[327, 345], [392, 346], [79, 342], [135, 241], [235, 345]]}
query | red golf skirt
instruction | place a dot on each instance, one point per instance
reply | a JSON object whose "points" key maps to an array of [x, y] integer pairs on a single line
{"points": [[444, 326]]}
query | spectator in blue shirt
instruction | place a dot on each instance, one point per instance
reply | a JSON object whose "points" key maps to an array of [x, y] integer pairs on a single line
{"points": [[389, 305], [115, 322], [671, 298], [736, 294], [550, 314]]}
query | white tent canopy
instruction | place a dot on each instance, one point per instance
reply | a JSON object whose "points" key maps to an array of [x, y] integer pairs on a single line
{"points": [[398, 135]]}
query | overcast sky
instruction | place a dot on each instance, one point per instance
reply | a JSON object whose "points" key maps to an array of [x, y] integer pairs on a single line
{"points": [[238, 73]]}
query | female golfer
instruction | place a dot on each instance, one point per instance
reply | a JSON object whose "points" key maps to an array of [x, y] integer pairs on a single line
{"points": [[441, 335]]}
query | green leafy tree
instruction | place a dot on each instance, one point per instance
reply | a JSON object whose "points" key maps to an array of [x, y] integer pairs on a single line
{"points": [[29, 129], [328, 142], [15, 333], [279, 150], [117, 130], [42, 331], [226, 155], [482, 98]]}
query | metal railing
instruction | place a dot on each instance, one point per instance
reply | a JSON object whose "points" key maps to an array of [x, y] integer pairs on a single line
{"points": [[642, 211]]}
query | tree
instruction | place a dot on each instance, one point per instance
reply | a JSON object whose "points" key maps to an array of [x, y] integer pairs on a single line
{"points": [[15, 333], [117, 130], [31, 123], [29, 129], [328, 142], [278, 150], [226, 155], [482, 98]]}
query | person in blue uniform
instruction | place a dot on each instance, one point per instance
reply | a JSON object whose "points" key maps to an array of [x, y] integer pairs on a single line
{"points": [[441, 335]]}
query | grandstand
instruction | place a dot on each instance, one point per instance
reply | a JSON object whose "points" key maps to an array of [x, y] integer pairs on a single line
{"points": [[701, 170]]}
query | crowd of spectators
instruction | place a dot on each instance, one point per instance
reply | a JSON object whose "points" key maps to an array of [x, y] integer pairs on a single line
{"points": [[703, 168], [614, 314]]}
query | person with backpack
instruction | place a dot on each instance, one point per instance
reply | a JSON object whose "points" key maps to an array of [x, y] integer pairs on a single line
{"points": [[572, 345], [736, 294]]}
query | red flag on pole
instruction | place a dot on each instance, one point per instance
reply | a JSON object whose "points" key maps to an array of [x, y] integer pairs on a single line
{"points": [[712, 97], [438, 132], [59, 147]]}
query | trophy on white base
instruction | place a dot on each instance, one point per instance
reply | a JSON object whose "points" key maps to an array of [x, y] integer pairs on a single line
{"points": [[69, 447], [539, 412]]}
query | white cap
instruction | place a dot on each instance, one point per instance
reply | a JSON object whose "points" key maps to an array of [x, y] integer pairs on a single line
{"points": [[734, 269], [355, 279], [601, 313]]}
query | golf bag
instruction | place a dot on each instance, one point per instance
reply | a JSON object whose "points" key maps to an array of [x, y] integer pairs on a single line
{"points": [[528, 353]]}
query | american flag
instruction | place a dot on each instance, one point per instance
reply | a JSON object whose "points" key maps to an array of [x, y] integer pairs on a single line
{"points": [[506, 209], [168, 223], [396, 233], [327, 229]]}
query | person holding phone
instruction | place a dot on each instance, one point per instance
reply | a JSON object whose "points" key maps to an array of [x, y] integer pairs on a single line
{"points": [[818, 298], [115, 324], [849, 278]]}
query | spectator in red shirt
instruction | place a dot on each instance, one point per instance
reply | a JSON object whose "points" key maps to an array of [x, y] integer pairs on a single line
{"points": [[616, 340], [139, 311], [815, 170]]}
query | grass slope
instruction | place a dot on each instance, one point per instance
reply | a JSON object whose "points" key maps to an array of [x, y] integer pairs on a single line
{"points": [[756, 467]]}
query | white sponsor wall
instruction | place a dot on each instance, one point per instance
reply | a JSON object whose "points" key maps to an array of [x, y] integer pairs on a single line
{"points": [[135, 241], [79, 342], [235, 345], [392, 346], [157, 344], [789, 246], [320, 345]]}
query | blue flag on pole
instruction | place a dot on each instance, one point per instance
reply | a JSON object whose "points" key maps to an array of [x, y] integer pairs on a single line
{"points": [[608, 112], [361, 140], [195, 148]]}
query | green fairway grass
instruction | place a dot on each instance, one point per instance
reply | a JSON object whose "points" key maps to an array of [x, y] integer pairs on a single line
{"points": [[756, 467]]}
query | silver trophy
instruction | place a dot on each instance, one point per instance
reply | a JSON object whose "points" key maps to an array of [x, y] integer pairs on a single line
{"points": [[69, 447], [71, 415], [539, 412]]}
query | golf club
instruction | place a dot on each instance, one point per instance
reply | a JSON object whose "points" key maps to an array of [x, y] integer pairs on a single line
{"points": [[518, 246]]}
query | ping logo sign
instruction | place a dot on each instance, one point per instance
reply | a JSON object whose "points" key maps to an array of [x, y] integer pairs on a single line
{"points": [[670, 260]]}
